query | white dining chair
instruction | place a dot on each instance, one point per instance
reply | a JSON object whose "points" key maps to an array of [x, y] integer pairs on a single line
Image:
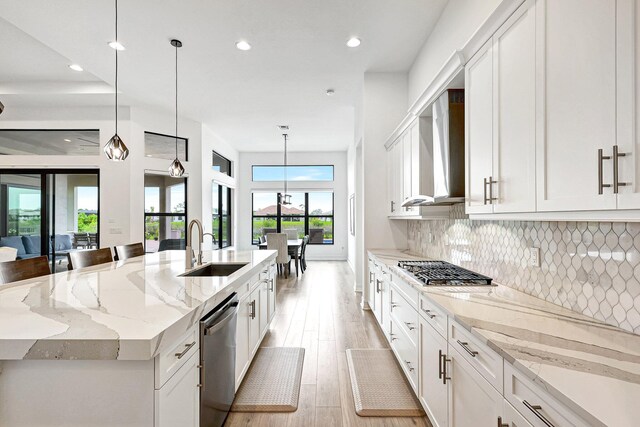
{"points": [[292, 233], [278, 242], [8, 254]]}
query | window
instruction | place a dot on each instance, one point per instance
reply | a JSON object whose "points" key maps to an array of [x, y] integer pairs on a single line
{"points": [[57, 142], [164, 146], [221, 213], [309, 214], [165, 212], [221, 164], [294, 173]]}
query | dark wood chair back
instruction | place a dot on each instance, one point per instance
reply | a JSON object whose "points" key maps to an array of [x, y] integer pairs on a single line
{"points": [[21, 269], [81, 259], [128, 251]]}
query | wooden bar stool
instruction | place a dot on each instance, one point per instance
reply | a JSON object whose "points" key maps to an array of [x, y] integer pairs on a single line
{"points": [[13, 271], [128, 251], [81, 259]]}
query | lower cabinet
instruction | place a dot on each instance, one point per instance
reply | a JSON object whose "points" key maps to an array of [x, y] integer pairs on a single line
{"points": [[433, 389], [254, 321], [177, 403], [242, 339], [512, 418], [472, 400], [263, 312], [271, 299]]}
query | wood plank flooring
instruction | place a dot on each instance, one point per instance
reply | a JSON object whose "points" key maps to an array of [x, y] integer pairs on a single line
{"points": [[320, 312]]}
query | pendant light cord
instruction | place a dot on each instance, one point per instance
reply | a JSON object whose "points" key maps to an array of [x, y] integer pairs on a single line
{"points": [[116, 1], [176, 100]]}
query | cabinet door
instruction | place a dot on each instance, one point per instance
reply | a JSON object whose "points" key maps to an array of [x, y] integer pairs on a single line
{"points": [[177, 403], [263, 311], [394, 178], [242, 338], [472, 400], [479, 129], [513, 418], [271, 308], [254, 321], [377, 296], [432, 391], [372, 286], [628, 88], [385, 290], [406, 169], [576, 103], [514, 109], [390, 181]]}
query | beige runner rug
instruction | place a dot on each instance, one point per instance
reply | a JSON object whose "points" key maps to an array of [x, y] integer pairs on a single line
{"points": [[379, 386], [272, 383]]}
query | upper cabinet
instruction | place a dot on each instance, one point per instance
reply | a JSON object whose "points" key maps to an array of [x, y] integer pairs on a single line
{"points": [[500, 119], [551, 121]]}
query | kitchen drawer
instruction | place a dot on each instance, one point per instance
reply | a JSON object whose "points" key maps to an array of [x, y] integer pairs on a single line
{"points": [[404, 313], [536, 405], [433, 315], [406, 352], [264, 273], [486, 361], [408, 291], [168, 362]]}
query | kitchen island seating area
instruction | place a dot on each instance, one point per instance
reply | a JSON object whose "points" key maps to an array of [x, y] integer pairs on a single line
{"points": [[22, 269]]}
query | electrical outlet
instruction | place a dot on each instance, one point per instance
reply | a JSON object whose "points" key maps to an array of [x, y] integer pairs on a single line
{"points": [[534, 257]]}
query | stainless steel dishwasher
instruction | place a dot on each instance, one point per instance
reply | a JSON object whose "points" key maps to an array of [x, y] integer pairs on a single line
{"points": [[218, 362]]}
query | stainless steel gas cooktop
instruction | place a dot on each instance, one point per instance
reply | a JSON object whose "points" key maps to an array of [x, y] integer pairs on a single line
{"points": [[434, 273]]}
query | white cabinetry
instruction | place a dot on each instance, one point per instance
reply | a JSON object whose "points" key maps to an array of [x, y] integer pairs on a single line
{"points": [[395, 178], [500, 119], [433, 390], [242, 339], [177, 403]]}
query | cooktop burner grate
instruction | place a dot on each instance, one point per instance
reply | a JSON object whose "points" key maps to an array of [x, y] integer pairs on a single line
{"points": [[443, 273]]}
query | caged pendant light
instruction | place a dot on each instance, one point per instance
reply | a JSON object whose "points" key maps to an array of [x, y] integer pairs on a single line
{"points": [[285, 199], [115, 149], [176, 169]]}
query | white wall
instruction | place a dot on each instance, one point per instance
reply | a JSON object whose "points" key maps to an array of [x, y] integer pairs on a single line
{"points": [[457, 23], [337, 251], [351, 189]]}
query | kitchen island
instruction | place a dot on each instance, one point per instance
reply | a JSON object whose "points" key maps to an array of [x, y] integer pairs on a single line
{"points": [[99, 346]]}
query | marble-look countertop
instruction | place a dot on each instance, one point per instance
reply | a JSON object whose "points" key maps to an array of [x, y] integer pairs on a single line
{"points": [[126, 310], [591, 367]]}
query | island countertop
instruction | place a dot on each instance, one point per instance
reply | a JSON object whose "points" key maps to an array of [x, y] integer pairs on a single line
{"points": [[591, 367], [123, 310]]}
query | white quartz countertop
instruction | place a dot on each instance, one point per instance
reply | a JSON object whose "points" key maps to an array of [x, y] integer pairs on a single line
{"points": [[125, 310], [591, 367]]}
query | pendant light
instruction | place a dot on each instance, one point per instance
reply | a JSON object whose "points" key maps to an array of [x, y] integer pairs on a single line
{"points": [[285, 199], [115, 149], [176, 169]]}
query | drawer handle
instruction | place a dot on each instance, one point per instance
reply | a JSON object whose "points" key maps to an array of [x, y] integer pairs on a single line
{"points": [[411, 328], [393, 337], [378, 285], [271, 287], [252, 304], [186, 349], [501, 424], [431, 316], [465, 345], [409, 365], [536, 411], [442, 362]]}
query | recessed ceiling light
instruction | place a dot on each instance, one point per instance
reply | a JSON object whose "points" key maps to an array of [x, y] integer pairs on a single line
{"points": [[76, 67], [330, 92], [116, 45], [353, 42], [243, 45], [149, 155], [283, 127], [67, 140]]}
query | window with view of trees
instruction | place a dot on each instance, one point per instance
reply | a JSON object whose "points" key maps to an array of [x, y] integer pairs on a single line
{"points": [[309, 214], [165, 212]]}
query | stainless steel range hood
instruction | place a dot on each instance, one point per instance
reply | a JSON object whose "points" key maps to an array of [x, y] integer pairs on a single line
{"points": [[448, 153]]}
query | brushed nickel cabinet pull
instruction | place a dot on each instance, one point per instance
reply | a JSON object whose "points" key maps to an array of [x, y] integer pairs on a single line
{"points": [[439, 364], [183, 352], [465, 345], [491, 198], [411, 328], [271, 287], [444, 368], [536, 411], [616, 170], [409, 365], [501, 424], [485, 190], [253, 309], [378, 285], [394, 305], [392, 208], [428, 312], [601, 158]]}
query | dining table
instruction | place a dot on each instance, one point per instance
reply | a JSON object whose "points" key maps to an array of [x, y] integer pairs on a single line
{"points": [[293, 247]]}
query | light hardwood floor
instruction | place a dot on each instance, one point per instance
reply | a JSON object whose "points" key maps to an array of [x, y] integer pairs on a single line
{"points": [[320, 312]]}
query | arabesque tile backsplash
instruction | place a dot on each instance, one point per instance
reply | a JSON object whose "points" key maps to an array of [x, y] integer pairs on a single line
{"points": [[589, 267]]}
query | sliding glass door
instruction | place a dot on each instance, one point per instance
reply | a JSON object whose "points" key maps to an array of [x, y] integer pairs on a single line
{"points": [[62, 205]]}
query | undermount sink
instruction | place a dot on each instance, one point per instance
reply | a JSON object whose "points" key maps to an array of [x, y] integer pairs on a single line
{"points": [[211, 270]]}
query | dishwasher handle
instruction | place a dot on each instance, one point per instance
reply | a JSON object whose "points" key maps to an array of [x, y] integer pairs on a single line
{"points": [[222, 321]]}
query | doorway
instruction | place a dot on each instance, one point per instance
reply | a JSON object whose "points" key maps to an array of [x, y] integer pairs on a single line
{"points": [[62, 204]]}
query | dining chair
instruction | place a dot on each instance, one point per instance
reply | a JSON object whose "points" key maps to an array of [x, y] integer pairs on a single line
{"points": [[128, 251], [8, 253], [81, 259], [303, 250], [13, 271], [278, 242], [80, 240], [292, 233]]}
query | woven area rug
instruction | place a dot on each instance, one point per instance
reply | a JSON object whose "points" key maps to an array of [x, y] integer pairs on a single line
{"points": [[379, 386], [273, 381]]}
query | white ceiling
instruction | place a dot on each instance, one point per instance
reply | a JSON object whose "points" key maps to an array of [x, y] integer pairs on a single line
{"points": [[298, 52]]}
